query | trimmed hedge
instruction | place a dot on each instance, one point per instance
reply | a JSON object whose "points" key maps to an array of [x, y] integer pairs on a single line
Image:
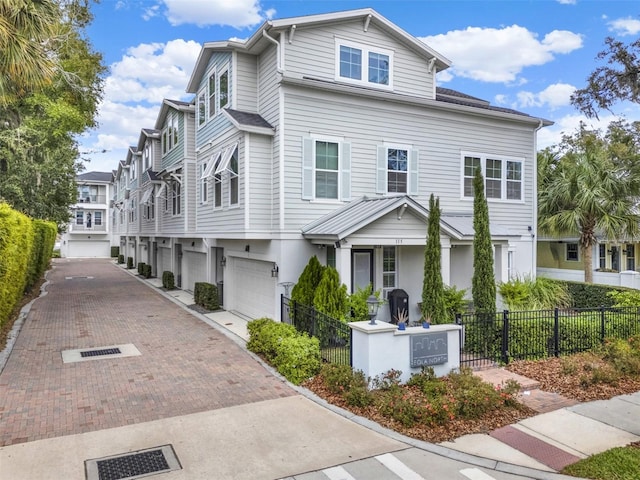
{"points": [[295, 355], [115, 251], [129, 263], [589, 295], [146, 271], [26, 247], [121, 259], [206, 295], [140, 267], [168, 280]]}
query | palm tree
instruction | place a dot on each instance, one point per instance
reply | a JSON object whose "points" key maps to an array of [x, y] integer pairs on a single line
{"points": [[583, 192], [28, 29]]}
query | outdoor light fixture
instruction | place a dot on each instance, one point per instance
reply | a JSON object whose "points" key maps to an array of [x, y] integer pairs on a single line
{"points": [[274, 270], [223, 262], [372, 308]]}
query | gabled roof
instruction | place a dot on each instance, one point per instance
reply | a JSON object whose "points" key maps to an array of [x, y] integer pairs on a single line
{"points": [[89, 177], [257, 42], [356, 215], [145, 134], [249, 122], [167, 105]]}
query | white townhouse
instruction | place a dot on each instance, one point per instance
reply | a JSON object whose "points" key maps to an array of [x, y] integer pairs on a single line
{"points": [[88, 232], [325, 135]]}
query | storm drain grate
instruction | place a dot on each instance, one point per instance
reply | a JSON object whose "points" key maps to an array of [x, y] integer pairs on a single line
{"points": [[133, 465], [104, 351]]}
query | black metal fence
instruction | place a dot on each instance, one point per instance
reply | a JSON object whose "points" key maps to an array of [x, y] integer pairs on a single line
{"points": [[487, 339], [334, 335]]}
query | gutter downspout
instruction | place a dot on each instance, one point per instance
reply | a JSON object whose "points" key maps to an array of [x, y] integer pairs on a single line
{"points": [[279, 68], [534, 238]]}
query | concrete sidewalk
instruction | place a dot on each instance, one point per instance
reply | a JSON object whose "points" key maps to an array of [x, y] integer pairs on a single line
{"points": [[227, 415]]}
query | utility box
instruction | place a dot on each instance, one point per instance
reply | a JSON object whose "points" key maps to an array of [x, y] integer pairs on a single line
{"points": [[398, 305]]}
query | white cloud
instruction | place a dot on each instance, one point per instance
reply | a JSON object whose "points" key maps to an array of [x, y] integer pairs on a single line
{"points": [[149, 13], [235, 13], [153, 71], [500, 55], [568, 125], [567, 2], [554, 96], [625, 26]]}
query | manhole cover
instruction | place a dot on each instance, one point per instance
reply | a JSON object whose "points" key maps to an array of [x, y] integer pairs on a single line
{"points": [[133, 465], [104, 351]]}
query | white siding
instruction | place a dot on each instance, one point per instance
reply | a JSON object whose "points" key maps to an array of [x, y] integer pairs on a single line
{"points": [[246, 74], [439, 136], [312, 53], [260, 183]]}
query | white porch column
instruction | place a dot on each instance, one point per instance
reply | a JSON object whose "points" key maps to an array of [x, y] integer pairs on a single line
{"points": [[343, 264], [501, 261], [445, 259]]}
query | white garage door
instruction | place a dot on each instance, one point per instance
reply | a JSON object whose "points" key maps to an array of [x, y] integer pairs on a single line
{"points": [[164, 260], [98, 248], [253, 288], [194, 269]]}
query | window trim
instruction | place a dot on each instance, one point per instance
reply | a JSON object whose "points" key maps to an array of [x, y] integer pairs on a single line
{"points": [[382, 169], [366, 50], [386, 290], [232, 175], [309, 169], [577, 252], [505, 159], [212, 97], [201, 114], [204, 184], [219, 106]]}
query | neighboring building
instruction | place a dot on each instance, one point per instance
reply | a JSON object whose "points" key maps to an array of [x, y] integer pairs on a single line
{"points": [[88, 233], [613, 262], [325, 135]]}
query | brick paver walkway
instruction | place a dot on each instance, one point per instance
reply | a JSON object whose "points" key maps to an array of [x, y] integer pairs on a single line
{"points": [[185, 367]]}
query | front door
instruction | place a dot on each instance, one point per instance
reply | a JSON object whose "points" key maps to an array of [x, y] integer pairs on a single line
{"points": [[615, 258], [361, 269]]}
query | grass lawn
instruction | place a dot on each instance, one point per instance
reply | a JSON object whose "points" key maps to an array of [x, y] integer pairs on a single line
{"points": [[622, 463]]}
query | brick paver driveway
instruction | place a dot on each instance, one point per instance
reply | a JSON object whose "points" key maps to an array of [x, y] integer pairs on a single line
{"points": [[185, 365]]}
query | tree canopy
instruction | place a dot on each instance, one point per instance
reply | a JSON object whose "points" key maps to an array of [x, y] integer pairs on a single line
{"points": [[589, 186], [617, 80], [50, 86]]}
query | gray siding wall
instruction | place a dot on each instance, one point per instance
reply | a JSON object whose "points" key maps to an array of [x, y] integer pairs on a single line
{"points": [[174, 156], [189, 189], [260, 182], [269, 108], [246, 75], [214, 126], [228, 218], [439, 136], [312, 53]]}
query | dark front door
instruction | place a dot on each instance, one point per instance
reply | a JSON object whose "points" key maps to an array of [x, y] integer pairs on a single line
{"points": [[615, 258], [361, 269]]}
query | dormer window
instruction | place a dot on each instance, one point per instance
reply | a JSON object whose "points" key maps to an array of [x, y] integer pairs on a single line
{"points": [[363, 64]]}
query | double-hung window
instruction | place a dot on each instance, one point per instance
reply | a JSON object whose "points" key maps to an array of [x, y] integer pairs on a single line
{"points": [[233, 178], [326, 169], [223, 86], [572, 252], [397, 170], [389, 270], [502, 175], [147, 156], [176, 198], [202, 108], [79, 217], [212, 94], [97, 218], [203, 183], [363, 64]]}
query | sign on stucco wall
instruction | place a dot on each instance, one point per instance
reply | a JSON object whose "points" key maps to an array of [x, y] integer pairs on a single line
{"points": [[429, 349]]}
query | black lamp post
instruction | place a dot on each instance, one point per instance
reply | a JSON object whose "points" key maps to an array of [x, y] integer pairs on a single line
{"points": [[372, 307]]}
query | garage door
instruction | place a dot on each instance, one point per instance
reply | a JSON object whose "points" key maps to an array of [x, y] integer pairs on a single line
{"points": [[194, 269], [89, 248], [164, 260], [253, 288]]}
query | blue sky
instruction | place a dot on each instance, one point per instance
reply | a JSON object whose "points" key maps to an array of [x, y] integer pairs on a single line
{"points": [[524, 54]]}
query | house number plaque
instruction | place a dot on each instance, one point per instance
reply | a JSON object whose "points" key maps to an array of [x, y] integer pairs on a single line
{"points": [[429, 349]]}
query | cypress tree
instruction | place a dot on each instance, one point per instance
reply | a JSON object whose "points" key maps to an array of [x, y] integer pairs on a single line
{"points": [[433, 304], [331, 296], [483, 285], [304, 291]]}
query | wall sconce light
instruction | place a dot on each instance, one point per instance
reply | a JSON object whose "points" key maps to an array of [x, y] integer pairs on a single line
{"points": [[337, 244], [247, 248], [529, 228], [193, 244], [274, 270], [223, 262]]}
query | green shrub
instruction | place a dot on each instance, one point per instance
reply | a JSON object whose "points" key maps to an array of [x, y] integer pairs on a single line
{"points": [[129, 263], [353, 385], [254, 326], [115, 252], [141, 267], [357, 303], [168, 280], [121, 259], [331, 296], [305, 289], [625, 298], [588, 295], [474, 398], [146, 271], [268, 338], [206, 295], [297, 358], [454, 301], [540, 293]]}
